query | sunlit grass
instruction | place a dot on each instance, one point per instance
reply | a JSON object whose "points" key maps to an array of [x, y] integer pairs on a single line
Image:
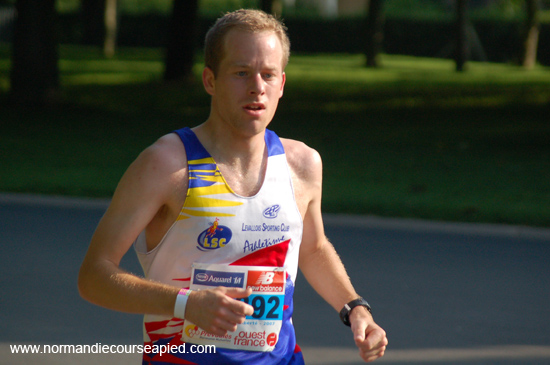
{"points": [[342, 73], [406, 69]]}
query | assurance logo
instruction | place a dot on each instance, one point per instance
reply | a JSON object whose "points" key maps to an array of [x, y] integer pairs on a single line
{"points": [[191, 330]]}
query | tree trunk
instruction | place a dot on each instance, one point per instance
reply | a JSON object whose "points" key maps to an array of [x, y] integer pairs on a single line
{"points": [[274, 7], [531, 36], [180, 49], [461, 55], [375, 32], [110, 28], [34, 72], [93, 22]]}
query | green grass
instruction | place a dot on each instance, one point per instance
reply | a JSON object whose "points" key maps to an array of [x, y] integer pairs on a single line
{"points": [[412, 139]]}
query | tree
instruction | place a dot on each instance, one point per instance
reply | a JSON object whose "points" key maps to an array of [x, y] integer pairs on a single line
{"points": [[180, 49], [99, 24], [93, 22], [375, 32], [110, 28], [34, 72], [528, 56], [462, 48]]}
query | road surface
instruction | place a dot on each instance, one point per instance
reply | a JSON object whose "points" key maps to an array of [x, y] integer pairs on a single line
{"points": [[445, 293]]}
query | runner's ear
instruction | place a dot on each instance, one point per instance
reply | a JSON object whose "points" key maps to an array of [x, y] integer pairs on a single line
{"points": [[283, 85], [208, 80]]}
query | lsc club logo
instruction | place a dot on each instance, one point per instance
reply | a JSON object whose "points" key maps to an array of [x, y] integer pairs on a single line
{"points": [[214, 237]]}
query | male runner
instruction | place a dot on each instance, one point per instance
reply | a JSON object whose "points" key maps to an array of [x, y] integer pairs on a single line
{"points": [[221, 216]]}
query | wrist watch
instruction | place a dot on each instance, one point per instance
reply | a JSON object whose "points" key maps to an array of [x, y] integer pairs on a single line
{"points": [[344, 313]]}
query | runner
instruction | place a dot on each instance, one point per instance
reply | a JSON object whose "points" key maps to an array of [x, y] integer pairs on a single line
{"points": [[226, 210]]}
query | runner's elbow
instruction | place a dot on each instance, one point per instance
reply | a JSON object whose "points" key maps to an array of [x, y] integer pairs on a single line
{"points": [[84, 283], [89, 281]]}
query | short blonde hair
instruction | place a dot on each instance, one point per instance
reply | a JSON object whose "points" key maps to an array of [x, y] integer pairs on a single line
{"points": [[247, 20]]}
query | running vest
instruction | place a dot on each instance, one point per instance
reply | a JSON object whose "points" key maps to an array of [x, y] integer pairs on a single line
{"points": [[217, 226]]}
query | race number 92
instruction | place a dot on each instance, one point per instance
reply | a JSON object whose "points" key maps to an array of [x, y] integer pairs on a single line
{"points": [[266, 307]]}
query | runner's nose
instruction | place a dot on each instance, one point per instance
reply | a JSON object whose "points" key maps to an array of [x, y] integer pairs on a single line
{"points": [[256, 85]]}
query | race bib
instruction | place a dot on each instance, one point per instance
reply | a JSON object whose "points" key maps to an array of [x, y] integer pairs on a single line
{"points": [[260, 331]]}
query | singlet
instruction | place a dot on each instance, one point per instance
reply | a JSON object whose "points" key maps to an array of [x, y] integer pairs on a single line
{"points": [[217, 226]]}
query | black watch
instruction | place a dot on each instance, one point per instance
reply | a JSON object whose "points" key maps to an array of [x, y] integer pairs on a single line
{"points": [[344, 313]]}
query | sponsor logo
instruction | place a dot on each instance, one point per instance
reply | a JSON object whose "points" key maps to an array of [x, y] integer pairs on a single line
{"points": [[272, 339], [194, 330], [191, 330], [218, 278], [252, 339], [266, 281], [201, 276], [265, 278], [214, 237], [272, 211], [255, 339]]}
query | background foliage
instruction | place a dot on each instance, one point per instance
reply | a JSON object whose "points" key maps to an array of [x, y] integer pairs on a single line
{"points": [[411, 139]]}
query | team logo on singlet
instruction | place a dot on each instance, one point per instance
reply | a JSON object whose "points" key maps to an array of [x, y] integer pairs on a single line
{"points": [[214, 237], [272, 211]]}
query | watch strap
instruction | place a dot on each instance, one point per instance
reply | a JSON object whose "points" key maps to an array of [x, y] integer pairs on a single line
{"points": [[345, 312]]}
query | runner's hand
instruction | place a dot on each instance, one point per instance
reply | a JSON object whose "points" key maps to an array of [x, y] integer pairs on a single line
{"points": [[369, 337], [216, 310]]}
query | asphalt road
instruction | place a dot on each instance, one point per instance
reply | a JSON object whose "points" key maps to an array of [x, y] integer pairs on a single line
{"points": [[445, 293]]}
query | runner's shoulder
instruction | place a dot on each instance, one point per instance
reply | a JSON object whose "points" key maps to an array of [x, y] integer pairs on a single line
{"points": [[304, 161], [159, 169], [165, 156]]}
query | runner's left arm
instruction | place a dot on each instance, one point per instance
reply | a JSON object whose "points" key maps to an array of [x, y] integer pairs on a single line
{"points": [[323, 268]]}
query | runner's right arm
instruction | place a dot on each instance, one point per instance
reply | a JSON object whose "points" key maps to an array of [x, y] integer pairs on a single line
{"points": [[150, 194], [140, 195]]}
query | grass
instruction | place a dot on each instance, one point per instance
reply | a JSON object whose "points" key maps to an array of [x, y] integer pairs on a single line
{"points": [[412, 139]]}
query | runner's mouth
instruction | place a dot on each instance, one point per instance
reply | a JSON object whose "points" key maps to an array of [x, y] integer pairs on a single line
{"points": [[255, 107]]}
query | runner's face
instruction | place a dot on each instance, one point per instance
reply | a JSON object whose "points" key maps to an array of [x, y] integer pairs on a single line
{"points": [[250, 81]]}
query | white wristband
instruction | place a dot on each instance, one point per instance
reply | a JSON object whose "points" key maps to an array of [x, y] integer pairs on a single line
{"points": [[181, 303]]}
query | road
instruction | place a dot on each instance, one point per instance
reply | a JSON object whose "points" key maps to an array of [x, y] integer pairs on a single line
{"points": [[445, 293]]}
